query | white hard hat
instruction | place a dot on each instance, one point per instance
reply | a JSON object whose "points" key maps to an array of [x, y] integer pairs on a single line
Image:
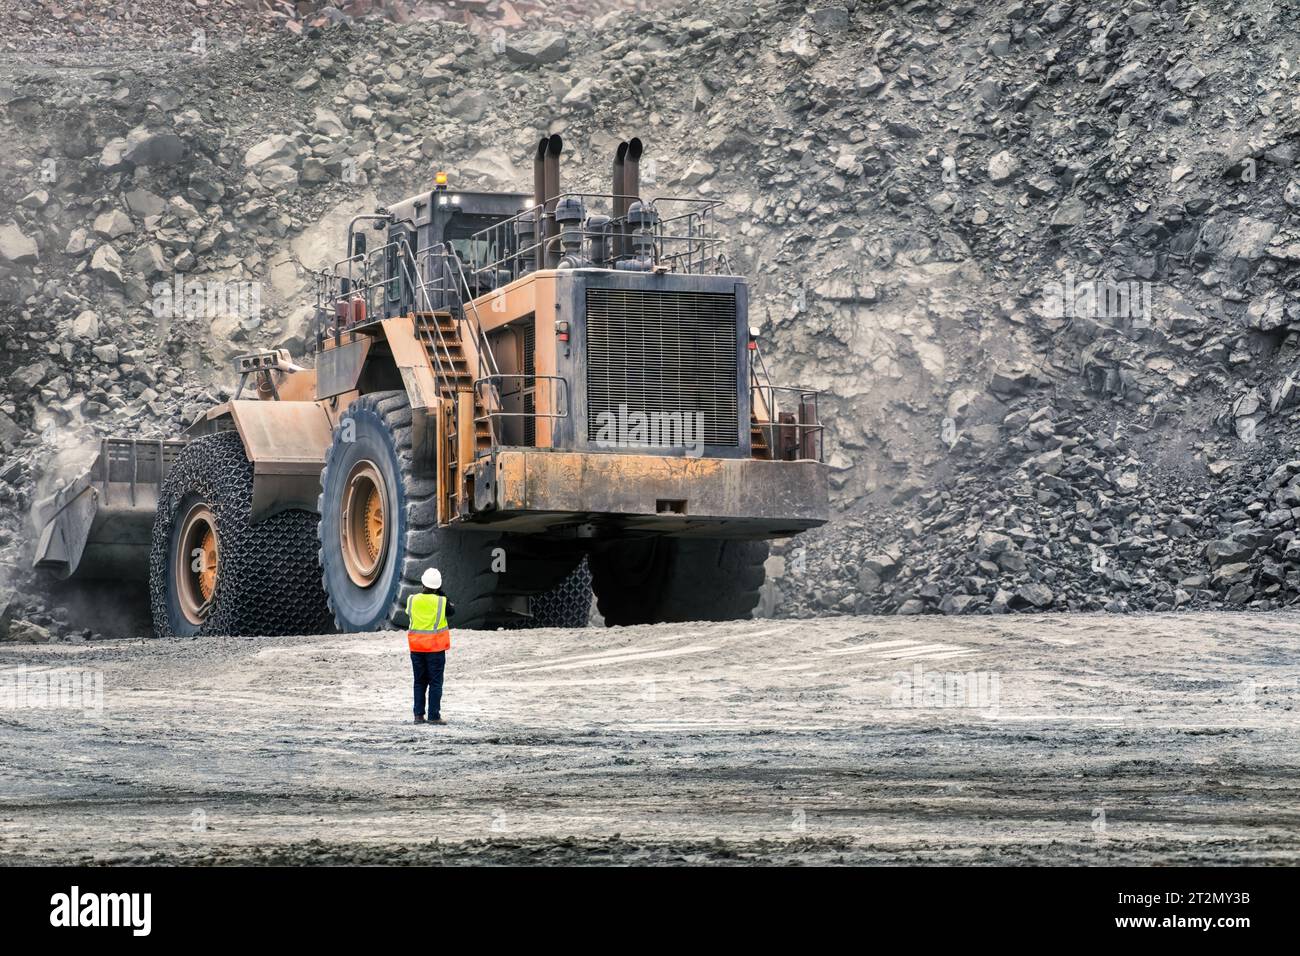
{"points": [[431, 579]]}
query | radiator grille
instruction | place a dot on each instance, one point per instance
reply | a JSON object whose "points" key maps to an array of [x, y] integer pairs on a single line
{"points": [[663, 352]]}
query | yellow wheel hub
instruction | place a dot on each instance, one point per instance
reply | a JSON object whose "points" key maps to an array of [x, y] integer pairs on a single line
{"points": [[208, 565], [196, 562], [363, 524], [374, 513]]}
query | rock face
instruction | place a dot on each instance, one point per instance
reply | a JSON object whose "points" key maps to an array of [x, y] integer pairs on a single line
{"points": [[278, 150], [537, 48], [144, 147], [16, 247], [1044, 283], [25, 632], [1066, 521], [1003, 167]]}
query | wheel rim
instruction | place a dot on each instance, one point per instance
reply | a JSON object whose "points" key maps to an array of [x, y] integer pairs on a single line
{"points": [[363, 523], [197, 560]]}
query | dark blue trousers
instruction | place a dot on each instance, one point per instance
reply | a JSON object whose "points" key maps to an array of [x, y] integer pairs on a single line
{"points": [[428, 678]]}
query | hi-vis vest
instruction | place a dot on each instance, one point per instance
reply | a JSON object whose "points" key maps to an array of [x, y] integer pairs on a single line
{"points": [[428, 614]]}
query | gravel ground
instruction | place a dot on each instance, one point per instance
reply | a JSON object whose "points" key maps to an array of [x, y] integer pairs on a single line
{"points": [[1084, 739]]}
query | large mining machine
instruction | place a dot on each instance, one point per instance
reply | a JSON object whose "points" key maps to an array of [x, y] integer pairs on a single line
{"points": [[501, 385]]}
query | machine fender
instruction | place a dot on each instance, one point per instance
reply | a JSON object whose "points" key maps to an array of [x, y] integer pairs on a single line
{"points": [[339, 369], [421, 389], [287, 443]]}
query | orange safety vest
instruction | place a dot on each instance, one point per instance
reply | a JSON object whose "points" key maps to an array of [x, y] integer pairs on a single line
{"points": [[429, 632]]}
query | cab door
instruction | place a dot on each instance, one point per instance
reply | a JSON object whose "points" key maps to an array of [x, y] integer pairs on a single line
{"points": [[400, 271]]}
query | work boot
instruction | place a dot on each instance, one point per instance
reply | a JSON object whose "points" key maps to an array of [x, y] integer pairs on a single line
{"points": [[420, 720], [436, 720]]}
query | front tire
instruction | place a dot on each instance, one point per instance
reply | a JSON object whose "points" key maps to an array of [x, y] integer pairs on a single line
{"points": [[212, 570]]}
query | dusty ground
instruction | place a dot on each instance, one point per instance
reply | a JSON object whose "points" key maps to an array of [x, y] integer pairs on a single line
{"points": [[1086, 739]]}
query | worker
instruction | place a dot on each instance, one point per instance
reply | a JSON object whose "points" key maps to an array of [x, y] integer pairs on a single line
{"points": [[429, 638]]}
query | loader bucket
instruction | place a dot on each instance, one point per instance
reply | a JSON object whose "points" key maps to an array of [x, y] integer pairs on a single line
{"points": [[99, 526]]}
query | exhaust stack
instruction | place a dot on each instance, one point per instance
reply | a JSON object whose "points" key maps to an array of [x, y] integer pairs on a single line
{"points": [[619, 204], [539, 199], [554, 147], [627, 190], [632, 173]]}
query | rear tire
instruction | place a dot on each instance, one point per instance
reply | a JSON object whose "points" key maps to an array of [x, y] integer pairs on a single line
{"points": [[677, 580], [568, 604], [266, 580]]}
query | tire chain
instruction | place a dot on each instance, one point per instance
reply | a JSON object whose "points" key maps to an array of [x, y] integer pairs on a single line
{"points": [[269, 580], [568, 604]]}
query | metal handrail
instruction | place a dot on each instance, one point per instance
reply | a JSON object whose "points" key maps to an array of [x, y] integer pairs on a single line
{"points": [[559, 398], [501, 235], [760, 382], [481, 344], [329, 293], [411, 273], [452, 287], [773, 425], [486, 360]]}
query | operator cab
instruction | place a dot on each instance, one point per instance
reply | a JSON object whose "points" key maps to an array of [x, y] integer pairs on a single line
{"points": [[432, 240], [446, 230]]}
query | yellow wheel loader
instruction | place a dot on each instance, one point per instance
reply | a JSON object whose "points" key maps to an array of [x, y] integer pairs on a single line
{"points": [[507, 386]]}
